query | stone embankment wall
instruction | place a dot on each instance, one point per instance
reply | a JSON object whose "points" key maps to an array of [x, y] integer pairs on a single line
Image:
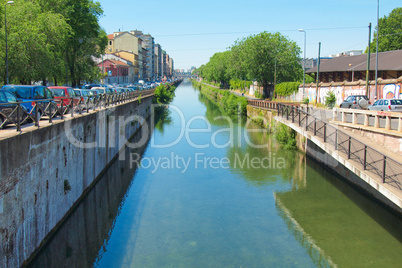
{"points": [[266, 119], [45, 172]]}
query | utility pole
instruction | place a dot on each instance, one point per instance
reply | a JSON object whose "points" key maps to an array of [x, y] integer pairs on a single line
{"points": [[318, 73], [376, 54], [273, 93], [368, 65]]}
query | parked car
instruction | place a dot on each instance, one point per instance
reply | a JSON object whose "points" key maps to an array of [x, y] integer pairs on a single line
{"points": [[392, 105], [89, 86], [8, 109], [62, 94], [355, 102], [30, 95], [103, 90]]}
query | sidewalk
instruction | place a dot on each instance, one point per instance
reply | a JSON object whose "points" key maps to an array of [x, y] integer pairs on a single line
{"points": [[326, 116]]}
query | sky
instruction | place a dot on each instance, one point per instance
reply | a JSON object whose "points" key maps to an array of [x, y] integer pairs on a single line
{"points": [[192, 31]]}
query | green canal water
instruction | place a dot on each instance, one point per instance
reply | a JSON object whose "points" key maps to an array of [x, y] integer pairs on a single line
{"points": [[211, 191]]}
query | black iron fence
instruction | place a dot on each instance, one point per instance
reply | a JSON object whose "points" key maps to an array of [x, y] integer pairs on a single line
{"points": [[33, 111], [388, 169]]}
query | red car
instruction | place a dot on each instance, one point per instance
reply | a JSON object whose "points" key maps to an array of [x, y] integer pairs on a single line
{"points": [[64, 94]]}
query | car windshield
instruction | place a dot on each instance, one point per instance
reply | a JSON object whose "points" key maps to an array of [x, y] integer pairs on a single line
{"points": [[21, 92], [58, 92], [396, 102]]}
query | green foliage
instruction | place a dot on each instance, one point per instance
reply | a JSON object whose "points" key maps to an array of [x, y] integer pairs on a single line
{"points": [[287, 88], [233, 104], [258, 95], [164, 94], [240, 84], [306, 101], [309, 79], [229, 103], [286, 136], [390, 32], [330, 99], [45, 36], [255, 58]]}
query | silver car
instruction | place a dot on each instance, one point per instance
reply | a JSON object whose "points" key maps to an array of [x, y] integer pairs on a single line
{"points": [[392, 105]]}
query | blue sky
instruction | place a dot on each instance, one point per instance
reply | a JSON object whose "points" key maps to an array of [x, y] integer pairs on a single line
{"points": [[192, 31]]}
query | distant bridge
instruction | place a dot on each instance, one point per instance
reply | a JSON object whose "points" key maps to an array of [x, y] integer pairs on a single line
{"points": [[185, 75]]}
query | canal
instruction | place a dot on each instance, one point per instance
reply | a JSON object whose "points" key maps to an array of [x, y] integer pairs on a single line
{"points": [[216, 191]]}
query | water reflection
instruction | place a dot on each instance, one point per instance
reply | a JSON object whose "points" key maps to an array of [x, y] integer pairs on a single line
{"points": [[87, 230], [339, 225]]}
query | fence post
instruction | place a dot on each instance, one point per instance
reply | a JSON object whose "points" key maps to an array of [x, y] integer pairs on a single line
{"points": [[50, 112], [306, 121], [325, 132], [383, 169], [299, 118], [315, 127], [336, 140], [365, 157], [18, 117], [62, 109], [293, 114], [349, 147], [36, 115]]}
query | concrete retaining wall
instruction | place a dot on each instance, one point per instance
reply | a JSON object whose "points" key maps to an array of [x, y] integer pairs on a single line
{"points": [[43, 173]]}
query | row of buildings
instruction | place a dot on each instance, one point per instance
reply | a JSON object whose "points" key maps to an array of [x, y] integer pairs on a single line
{"points": [[134, 56]]}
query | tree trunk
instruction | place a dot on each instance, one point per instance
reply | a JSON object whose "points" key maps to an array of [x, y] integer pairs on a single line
{"points": [[265, 90]]}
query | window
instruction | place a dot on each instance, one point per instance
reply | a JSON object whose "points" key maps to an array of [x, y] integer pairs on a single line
{"points": [[396, 102], [71, 92], [2, 97], [39, 93], [381, 102], [10, 97], [110, 43], [385, 102]]}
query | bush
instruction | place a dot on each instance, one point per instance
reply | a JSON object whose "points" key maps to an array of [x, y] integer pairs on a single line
{"points": [[286, 136], [330, 100], [286, 88], [239, 84]]}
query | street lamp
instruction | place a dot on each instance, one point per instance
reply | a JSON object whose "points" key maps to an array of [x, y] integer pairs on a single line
{"points": [[5, 26], [304, 62]]}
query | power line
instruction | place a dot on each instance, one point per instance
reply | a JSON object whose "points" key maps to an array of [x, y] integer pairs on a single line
{"points": [[250, 32]]}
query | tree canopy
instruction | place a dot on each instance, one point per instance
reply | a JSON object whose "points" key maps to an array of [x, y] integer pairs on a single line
{"points": [[390, 32], [48, 39], [264, 57]]}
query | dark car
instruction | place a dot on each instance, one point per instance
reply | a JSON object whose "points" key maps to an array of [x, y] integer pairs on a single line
{"points": [[9, 113], [32, 95], [355, 102]]}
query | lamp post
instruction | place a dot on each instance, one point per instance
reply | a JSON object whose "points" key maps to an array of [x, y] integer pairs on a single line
{"points": [[5, 26], [304, 62], [376, 53]]}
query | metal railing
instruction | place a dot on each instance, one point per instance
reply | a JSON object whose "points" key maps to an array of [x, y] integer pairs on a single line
{"points": [[388, 169], [368, 118], [268, 104], [18, 114]]}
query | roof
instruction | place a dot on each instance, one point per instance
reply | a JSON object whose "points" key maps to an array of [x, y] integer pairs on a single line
{"points": [[110, 36], [118, 63], [387, 61]]}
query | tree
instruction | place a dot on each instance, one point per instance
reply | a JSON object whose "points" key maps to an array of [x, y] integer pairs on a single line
{"points": [[34, 36], [390, 32], [265, 55], [49, 38]]}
